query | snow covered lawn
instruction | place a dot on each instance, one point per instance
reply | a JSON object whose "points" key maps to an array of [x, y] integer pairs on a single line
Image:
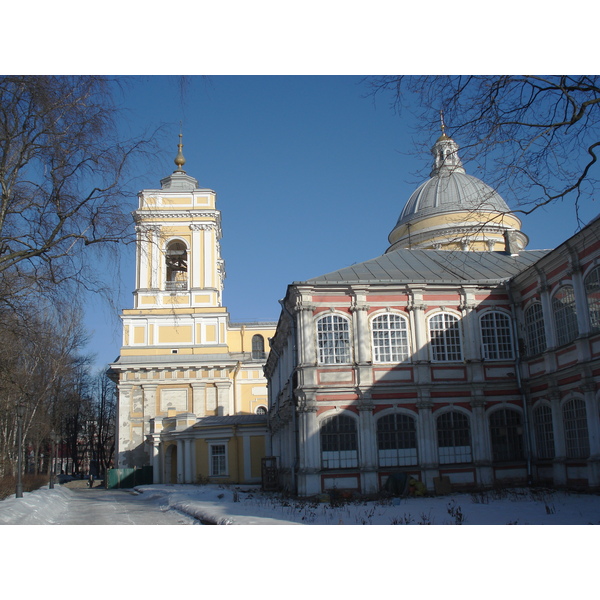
{"points": [[223, 505], [250, 506]]}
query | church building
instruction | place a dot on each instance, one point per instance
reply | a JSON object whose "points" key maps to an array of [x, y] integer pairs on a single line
{"points": [[192, 396], [458, 358]]}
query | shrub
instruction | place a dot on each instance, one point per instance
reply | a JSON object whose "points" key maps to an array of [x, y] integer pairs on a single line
{"points": [[30, 483]]}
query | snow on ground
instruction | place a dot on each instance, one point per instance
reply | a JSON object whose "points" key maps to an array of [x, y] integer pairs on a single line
{"points": [[250, 506], [229, 505], [353, 562]]}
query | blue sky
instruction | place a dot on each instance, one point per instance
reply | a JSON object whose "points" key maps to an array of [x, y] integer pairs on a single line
{"points": [[311, 174]]}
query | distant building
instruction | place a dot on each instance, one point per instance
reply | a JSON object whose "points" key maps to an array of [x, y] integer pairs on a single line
{"points": [[192, 393], [458, 357]]}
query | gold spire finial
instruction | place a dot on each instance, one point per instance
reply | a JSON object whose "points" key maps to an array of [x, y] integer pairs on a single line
{"points": [[179, 159], [442, 122]]}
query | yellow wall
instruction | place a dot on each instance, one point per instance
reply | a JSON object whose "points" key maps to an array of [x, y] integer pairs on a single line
{"points": [[257, 452]]}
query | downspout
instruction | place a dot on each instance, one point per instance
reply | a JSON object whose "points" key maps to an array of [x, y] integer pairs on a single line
{"points": [[291, 395], [519, 382]]}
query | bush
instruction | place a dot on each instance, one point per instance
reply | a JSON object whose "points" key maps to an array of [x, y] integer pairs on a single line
{"points": [[30, 483]]}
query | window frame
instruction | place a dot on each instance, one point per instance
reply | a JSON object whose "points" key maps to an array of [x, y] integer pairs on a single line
{"points": [[493, 347], [402, 442], [340, 339], [445, 338], [591, 283], [565, 315], [454, 456], [394, 348], [506, 435], [575, 428], [170, 275], [258, 347], [535, 329], [338, 437], [223, 458], [543, 431]]}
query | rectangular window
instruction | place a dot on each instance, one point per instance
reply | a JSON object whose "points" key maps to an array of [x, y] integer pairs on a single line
{"points": [[218, 460]]}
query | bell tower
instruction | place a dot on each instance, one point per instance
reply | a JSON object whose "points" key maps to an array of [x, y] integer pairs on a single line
{"points": [[178, 254]]}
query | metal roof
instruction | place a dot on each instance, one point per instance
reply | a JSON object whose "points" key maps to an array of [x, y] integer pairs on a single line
{"points": [[434, 266], [228, 420]]}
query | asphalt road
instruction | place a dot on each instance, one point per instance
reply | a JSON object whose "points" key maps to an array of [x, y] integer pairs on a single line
{"points": [[98, 506]]}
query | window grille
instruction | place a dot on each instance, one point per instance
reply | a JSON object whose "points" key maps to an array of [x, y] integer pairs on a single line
{"points": [[506, 431], [534, 325], [397, 440], [544, 433], [261, 410], [390, 338], [576, 430], [258, 347], [339, 444], [444, 334], [496, 336], [592, 290], [333, 338], [565, 315], [218, 459], [454, 438]]}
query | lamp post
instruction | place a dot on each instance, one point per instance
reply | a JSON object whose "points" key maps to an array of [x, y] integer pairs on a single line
{"points": [[20, 415], [51, 469]]}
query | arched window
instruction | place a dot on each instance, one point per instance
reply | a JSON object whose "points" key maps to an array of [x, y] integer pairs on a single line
{"points": [[454, 438], [333, 339], [397, 440], [258, 347], [506, 431], [544, 433], [339, 444], [577, 441], [176, 266], [496, 336], [390, 338], [261, 410], [444, 334], [534, 325], [592, 290], [565, 315]]}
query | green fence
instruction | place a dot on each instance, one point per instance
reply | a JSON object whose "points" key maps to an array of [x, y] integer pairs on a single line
{"points": [[128, 478]]}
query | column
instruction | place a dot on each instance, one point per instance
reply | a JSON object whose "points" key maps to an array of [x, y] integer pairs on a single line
{"points": [[367, 446], [593, 420], [199, 399], [223, 398], [361, 328], [180, 461], [149, 404], [187, 461], [306, 335], [560, 452], [309, 459], [156, 478], [480, 445], [123, 424], [427, 439]]}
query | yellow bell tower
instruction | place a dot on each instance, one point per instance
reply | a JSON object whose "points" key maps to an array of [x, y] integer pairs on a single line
{"points": [[185, 374], [179, 270]]}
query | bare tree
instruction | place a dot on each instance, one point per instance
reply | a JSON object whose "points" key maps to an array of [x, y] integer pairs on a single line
{"points": [[535, 137], [63, 178]]}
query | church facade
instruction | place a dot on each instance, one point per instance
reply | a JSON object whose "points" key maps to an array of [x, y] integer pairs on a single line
{"points": [[192, 396], [458, 358]]}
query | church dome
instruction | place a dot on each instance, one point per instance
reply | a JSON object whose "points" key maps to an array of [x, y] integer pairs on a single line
{"points": [[453, 210], [449, 192]]}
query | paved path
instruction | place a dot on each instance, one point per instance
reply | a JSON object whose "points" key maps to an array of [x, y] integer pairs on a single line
{"points": [[98, 506]]}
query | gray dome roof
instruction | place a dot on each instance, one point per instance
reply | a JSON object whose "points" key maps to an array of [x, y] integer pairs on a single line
{"points": [[449, 191]]}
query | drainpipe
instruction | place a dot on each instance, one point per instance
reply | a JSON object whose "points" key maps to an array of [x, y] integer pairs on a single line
{"points": [[291, 394], [519, 382]]}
